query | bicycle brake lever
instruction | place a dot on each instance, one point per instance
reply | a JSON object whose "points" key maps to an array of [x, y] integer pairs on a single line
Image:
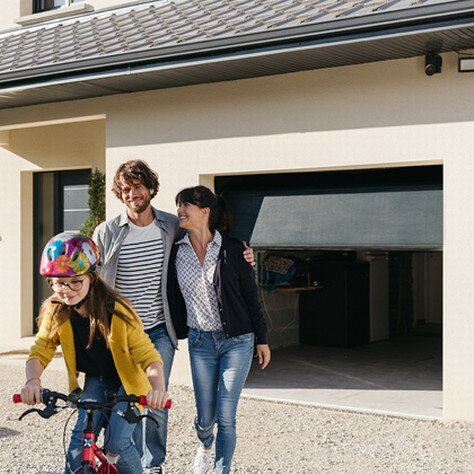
{"points": [[48, 412], [132, 417], [136, 418], [27, 412], [151, 418]]}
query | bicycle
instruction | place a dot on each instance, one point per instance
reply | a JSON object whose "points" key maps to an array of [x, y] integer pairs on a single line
{"points": [[93, 459]]}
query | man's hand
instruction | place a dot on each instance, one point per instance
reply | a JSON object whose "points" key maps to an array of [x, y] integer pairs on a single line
{"points": [[248, 254]]}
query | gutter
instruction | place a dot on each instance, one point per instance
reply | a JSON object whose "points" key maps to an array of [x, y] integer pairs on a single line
{"points": [[414, 20]]}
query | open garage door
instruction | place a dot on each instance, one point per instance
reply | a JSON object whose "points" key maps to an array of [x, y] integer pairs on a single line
{"points": [[392, 209], [356, 259]]}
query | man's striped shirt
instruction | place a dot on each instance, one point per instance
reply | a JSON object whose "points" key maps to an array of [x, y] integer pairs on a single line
{"points": [[139, 272]]}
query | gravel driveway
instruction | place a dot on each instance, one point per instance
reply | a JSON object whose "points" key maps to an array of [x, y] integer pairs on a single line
{"points": [[272, 438]]}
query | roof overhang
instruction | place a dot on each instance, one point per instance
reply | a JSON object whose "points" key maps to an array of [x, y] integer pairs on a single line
{"points": [[297, 49]]}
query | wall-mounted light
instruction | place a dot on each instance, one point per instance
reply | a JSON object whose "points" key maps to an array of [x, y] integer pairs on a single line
{"points": [[433, 63], [466, 64]]}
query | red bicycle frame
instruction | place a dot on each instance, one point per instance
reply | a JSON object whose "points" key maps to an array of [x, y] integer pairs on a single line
{"points": [[91, 452]]}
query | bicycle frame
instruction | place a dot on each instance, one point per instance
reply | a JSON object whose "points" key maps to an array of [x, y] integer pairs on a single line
{"points": [[90, 451]]}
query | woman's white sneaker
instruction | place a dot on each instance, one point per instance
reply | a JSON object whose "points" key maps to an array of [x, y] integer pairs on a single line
{"points": [[202, 460]]}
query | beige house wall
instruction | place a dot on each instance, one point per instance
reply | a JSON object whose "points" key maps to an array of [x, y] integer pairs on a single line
{"points": [[10, 11], [368, 116], [13, 9], [29, 150]]}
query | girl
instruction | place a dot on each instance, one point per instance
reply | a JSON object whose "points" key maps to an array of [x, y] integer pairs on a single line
{"points": [[101, 336]]}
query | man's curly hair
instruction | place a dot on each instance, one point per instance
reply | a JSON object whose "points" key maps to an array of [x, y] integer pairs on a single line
{"points": [[135, 169]]}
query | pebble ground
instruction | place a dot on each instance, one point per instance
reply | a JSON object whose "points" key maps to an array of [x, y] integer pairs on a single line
{"points": [[272, 438]]}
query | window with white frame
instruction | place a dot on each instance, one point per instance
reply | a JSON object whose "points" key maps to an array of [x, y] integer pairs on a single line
{"points": [[46, 5]]}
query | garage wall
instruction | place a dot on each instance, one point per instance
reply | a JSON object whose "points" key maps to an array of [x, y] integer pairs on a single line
{"points": [[458, 320], [367, 116], [428, 288]]}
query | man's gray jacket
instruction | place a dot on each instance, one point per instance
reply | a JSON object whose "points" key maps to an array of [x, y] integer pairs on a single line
{"points": [[109, 236]]}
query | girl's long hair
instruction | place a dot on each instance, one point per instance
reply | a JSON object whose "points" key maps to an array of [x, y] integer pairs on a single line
{"points": [[219, 217], [100, 303]]}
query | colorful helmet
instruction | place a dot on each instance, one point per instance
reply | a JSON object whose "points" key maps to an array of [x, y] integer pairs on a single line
{"points": [[69, 254]]}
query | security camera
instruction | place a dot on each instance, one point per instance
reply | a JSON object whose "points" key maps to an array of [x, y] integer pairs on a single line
{"points": [[433, 63]]}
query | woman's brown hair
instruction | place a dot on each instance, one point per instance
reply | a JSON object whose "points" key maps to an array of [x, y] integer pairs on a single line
{"points": [[99, 304], [219, 217]]}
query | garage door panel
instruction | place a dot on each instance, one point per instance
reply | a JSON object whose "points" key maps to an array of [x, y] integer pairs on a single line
{"points": [[391, 208], [386, 219]]}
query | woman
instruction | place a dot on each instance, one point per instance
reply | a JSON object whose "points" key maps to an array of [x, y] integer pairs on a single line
{"points": [[222, 310], [101, 336]]}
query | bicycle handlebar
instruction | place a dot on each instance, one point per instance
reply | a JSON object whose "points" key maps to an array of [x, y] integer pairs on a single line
{"points": [[49, 396]]}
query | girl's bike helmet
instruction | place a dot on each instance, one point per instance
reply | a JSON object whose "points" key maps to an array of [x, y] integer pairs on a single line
{"points": [[69, 254]]}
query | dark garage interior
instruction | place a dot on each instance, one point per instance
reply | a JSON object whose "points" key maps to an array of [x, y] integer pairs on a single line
{"points": [[350, 275]]}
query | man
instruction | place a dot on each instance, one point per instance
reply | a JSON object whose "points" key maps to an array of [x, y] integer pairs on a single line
{"points": [[135, 248]]}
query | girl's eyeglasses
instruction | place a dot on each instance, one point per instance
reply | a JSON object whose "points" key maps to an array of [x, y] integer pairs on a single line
{"points": [[74, 285]]}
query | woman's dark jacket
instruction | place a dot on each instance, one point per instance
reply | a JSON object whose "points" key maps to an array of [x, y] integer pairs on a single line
{"points": [[236, 290]]}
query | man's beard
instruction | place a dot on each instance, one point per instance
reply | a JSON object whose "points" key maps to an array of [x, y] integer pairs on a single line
{"points": [[139, 208]]}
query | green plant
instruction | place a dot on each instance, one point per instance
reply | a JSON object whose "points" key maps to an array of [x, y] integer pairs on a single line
{"points": [[96, 203]]}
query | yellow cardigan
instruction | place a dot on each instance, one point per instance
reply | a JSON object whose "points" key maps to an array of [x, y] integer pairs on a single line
{"points": [[132, 350]]}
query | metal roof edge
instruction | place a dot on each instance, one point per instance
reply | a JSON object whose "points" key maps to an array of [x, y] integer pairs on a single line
{"points": [[435, 16], [173, 63]]}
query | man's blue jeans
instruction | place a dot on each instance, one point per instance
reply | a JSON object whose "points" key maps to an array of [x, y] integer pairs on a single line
{"points": [[150, 440], [219, 369], [118, 434]]}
